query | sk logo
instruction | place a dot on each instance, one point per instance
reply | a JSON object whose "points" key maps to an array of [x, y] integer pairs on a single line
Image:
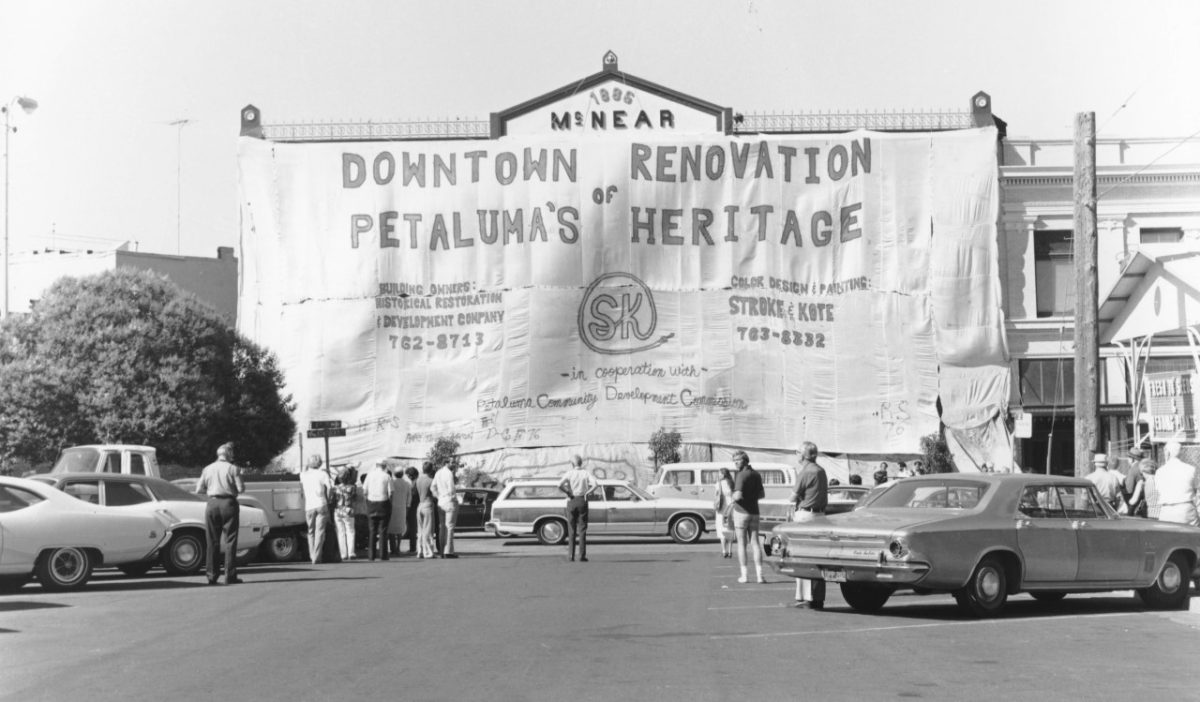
{"points": [[617, 315]]}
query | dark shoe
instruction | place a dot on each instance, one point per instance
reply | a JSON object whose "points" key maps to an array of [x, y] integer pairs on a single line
{"points": [[583, 558], [213, 581], [234, 581], [450, 555]]}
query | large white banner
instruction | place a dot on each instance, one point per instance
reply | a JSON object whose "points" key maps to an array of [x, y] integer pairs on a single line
{"points": [[530, 292]]}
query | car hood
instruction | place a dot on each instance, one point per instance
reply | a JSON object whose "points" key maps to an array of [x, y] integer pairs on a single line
{"points": [[870, 521]]}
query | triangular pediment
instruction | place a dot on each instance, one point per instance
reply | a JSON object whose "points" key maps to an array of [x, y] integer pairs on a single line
{"points": [[612, 102]]}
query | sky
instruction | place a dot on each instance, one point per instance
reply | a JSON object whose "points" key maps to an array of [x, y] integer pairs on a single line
{"points": [[99, 162]]}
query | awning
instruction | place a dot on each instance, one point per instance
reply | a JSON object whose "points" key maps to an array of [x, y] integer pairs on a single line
{"points": [[1151, 296]]}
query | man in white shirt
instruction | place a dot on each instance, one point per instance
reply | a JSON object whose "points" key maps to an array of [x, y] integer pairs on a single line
{"points": [[316, 487], [1178, 488], [377, 491], [443, 491], [1107, 482], [577, 483]]}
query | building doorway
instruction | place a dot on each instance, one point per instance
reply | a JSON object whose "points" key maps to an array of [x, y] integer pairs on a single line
{"points": [[1053, 437]]}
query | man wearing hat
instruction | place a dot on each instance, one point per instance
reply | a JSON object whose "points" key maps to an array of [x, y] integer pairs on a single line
{"points": [[1110, 483]]}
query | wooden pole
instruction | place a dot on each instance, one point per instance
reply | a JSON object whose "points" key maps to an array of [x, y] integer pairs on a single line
{"points": [[1087, 331]]}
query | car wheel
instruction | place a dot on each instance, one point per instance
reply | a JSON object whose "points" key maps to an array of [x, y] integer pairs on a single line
{"points": [[552, 531], [64, 568], [12, 583], [1048, 596], [686, 530], [986, 591], [135, 570], [281, 548], [185, 554], [865, 597], [1170, 588]]}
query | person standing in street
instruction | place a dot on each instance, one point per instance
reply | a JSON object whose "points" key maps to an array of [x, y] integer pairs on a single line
{"points": [[378, 491], [577, 483], [445, 493], [1109, 483], [1135, 483], [721, 502], [809, 502], [1178, 486], [315, 485], [398, 521], [426, 512], [410, 526], [221, 481], [747, 491], [345, 490]]}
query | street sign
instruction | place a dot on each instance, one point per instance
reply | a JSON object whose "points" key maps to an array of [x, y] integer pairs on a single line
{"points": [[328, 424], [326, 433]]}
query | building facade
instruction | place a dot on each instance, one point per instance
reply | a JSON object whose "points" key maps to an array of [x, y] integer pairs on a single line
{"points": [[1148, 247], [1149, 238], [212, 281]]}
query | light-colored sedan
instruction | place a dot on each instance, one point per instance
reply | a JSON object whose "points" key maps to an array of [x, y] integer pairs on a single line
{"points": [[59, 539], [984, 537], [537, 506], [185, 554]]}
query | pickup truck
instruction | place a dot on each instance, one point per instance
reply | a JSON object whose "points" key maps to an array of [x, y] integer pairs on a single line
{"points": [[277, 494]]}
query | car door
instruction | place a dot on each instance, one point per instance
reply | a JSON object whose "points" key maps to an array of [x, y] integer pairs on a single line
{"points": [[471, 510], [1045, 536], [627, 513], [1108, 549]]}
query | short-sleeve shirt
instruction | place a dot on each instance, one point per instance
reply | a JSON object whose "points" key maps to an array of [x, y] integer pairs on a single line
{"points": [[220, 478], [316, 486], [749, 482], [812, 488]]}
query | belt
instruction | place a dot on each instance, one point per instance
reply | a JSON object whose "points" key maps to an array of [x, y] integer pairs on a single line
{"points": [[221, 497]]}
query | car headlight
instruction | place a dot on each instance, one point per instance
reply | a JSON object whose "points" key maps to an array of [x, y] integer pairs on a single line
{"points": [[899, 548]]}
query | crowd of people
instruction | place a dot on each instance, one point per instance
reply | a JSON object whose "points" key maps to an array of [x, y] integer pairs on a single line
{"points": [[1170, 492], [399, 504]]}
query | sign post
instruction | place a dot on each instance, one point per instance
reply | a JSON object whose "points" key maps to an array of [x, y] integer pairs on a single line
{"points": [[324, 430]]}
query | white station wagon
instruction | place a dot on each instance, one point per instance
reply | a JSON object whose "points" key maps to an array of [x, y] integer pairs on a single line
{"points": [[537, 506]]}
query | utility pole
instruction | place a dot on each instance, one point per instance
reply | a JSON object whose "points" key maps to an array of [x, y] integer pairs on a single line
{"points": [[179, 124], [1087, 331]]}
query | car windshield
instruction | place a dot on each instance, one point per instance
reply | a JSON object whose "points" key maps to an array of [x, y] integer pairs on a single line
{"points": [[76, 460], [940, 494]]}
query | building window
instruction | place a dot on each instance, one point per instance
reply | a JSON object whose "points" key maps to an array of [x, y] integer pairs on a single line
{"points": [[1160, 235], [1048, 382], [1054, 273]]}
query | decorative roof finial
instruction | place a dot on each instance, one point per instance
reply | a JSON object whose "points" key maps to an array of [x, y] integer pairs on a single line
{"points": [[610, 62]]}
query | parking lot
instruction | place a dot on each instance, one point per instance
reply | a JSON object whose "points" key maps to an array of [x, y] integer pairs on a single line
{"points": [[512, 620]]}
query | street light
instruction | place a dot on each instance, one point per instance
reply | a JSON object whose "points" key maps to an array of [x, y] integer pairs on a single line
{"points": [[29, 105]]}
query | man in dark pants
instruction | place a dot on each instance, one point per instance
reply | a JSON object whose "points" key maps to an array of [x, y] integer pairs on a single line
{"points": [[577, 483], [377, 489], [810, 500], [221, 481]]}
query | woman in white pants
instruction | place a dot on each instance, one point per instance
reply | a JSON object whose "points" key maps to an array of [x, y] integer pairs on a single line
{"points": [[426, 509], [724, 497], [346, 490]]}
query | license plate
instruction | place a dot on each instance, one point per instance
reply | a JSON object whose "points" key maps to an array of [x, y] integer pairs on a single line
{"points": [[833, 576]]}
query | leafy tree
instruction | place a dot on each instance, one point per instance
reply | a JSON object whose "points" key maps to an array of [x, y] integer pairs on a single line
{"points": [[127, 357], [937, 458], [443, 451], [664, 447]]}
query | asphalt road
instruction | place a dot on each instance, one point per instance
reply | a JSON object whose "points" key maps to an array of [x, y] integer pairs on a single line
{"points": [[512, 620]]}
